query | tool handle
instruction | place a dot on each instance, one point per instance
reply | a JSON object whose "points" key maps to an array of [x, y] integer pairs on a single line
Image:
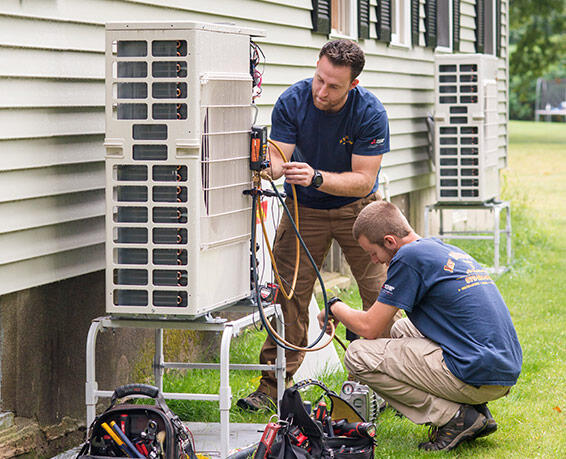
{"points": [[123, 447], [134, 389], [132, 449]]}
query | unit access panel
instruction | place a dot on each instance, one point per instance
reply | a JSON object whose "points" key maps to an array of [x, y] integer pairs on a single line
{"points": [[178, 120], [466, 128]]}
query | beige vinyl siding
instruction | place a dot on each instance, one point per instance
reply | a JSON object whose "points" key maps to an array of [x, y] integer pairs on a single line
{"points": [[52, 113]]}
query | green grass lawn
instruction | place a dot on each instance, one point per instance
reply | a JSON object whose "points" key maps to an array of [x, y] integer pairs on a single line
{"points": [[531, 419]]}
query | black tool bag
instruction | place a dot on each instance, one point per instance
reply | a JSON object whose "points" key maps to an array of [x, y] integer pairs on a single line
{"points": [[152, 430], [302, 437]]}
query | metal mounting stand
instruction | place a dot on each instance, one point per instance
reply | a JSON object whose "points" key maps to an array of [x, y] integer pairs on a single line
{"points": [[207, 323], [495, 207]]}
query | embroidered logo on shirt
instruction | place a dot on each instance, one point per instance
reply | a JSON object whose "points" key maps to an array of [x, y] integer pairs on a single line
{"points": [[388, 288], [449, 266], [345, 140], [376, 142]]}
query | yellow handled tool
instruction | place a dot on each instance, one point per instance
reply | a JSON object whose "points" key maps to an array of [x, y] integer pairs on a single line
{"points": [[123, 447]]}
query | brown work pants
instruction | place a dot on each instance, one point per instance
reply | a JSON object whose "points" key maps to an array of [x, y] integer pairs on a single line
{"points": [[318, 227], [409, 372]]}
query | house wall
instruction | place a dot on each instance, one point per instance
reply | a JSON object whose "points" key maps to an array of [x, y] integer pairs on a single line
{"points": [[52, 132], [52, 113]]}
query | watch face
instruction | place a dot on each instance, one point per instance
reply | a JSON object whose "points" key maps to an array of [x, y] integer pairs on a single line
{"points": [[317, 179]]}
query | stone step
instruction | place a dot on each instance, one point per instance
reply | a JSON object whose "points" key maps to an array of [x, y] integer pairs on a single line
{"points": [[6, 419], [20, 438]]}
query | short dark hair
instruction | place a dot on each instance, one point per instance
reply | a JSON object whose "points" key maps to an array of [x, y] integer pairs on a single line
{"points": [[379, 219], [345, 53]]}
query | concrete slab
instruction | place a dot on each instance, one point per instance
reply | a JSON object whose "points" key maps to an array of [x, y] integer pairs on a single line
{"points": [[207, 436]]}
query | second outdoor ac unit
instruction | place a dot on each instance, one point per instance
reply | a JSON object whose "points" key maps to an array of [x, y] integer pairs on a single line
{"points": [[466, 128]]}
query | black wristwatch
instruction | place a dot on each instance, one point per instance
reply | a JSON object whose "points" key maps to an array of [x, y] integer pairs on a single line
{"points": [[316, 179], [330, 302]]}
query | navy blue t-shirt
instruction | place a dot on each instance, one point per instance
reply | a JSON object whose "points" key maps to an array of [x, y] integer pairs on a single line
{"points": [[451, 300], [327, 141]]}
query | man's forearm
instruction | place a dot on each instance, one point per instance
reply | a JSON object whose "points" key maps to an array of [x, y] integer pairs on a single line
{"points": [[372, 324], [351, 184], [355, 321]]}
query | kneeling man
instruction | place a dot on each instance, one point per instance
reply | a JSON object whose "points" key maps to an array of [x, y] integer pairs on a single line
{"points": [[457, 350]]}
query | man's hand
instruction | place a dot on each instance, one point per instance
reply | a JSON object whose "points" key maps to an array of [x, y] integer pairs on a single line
{"points": [[298, 173], [320, 319]]}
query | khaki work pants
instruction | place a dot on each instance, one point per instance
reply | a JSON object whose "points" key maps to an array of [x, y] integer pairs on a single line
{"points": [[409, 372], [318, 227]]}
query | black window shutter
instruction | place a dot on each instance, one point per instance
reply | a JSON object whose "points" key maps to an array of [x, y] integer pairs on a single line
{"points": [[480, 26], [321, 16], [384, 20], [415, 21], [363, 18], [430, 33], [456, 25], [498, 28]]}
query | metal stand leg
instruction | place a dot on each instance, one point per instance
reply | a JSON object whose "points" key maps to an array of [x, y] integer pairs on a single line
{"points": [[225, 391], [281, 363], [496, 238], [158, 360], [508, 231], [91, 385]]}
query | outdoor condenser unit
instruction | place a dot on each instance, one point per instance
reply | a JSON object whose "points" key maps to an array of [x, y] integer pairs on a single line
{"points": [[466, 128], [178, 118]]}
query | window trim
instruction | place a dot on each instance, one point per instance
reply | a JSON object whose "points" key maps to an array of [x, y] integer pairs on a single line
{"points": [[402, 20], [353, 22]]}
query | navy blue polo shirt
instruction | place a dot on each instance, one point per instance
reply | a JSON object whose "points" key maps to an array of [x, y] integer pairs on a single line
{"points": [[327, 141], [451, 300]]}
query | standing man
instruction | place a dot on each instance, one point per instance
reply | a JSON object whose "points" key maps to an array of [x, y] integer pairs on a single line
{"points": [[457, 350], [333, 133]]}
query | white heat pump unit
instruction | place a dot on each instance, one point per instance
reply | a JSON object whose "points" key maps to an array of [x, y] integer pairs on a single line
{"points": [[178, 118], [466, 128]]}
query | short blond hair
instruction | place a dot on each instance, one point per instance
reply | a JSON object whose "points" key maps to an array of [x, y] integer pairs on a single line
{"points": [[379, 219]]}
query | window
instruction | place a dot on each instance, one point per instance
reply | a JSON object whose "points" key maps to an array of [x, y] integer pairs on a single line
{"points": [[401, 22], [444, 25], [490, 27], [344, 18]]}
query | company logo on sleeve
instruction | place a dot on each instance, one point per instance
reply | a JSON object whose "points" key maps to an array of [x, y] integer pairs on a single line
{"points": [[376, 142], [388, 289]]}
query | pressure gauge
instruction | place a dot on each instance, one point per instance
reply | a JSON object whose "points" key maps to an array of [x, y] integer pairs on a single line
{"points": [[347, 388]]}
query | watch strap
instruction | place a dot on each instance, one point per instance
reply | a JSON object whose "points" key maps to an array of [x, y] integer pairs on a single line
{"points": [[330, 302]]}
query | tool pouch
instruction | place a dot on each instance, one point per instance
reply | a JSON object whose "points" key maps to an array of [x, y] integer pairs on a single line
{"points": [[302, 437], [146, 430]]}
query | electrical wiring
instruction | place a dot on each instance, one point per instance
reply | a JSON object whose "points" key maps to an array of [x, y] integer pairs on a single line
{"points": [[281, 342], [256, 202], [297, 243]]}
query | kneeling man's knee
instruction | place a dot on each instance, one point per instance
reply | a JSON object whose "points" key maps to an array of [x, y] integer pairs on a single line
{"points": [[354, 358]]}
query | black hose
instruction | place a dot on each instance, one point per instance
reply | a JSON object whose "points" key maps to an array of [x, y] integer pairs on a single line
{"points": [[275, 339]]}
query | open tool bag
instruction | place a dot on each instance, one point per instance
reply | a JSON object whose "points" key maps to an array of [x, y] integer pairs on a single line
{"points": [[135, 430], [337, 431]]}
